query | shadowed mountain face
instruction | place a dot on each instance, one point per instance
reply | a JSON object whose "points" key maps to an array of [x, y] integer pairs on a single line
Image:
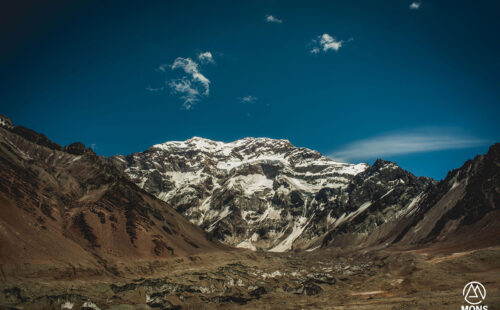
{"points": [[60, 205], [464, 206], [462, 209]]}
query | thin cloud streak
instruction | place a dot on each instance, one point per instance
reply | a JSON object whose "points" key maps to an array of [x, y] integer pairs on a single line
{"points": [[155, 89], [416, 141]]}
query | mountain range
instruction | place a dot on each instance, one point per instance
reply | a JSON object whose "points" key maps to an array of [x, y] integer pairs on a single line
{"points": [[255, 222], [265, 194]]}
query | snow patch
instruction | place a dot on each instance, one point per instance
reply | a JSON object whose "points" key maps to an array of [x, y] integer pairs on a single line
{"points": [[67, 305], [91, 305], [298, 229], [246, 245]]}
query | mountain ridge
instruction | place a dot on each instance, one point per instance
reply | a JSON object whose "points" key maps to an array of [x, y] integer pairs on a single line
{"points": [[75, 203], [299, 186]]}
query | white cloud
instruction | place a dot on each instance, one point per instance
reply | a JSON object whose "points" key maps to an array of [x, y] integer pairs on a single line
{"points": [[188, 92], [273, 19], [192, 85], [325, 42], [191, 68], [248, 99], [162, 68], [206, 57], [408, 142], [415, 5], [315, 50], [155, 89], [329, 43], [187, 64]]}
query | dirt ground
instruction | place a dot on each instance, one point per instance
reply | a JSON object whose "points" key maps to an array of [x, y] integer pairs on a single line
{"points": [[384, 279]]}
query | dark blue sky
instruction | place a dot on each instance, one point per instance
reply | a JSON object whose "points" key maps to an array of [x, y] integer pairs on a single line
{"points": [[417, 86]]}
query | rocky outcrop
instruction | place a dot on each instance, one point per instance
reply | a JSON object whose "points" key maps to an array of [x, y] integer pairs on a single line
{"points": [[78, 148], [6, 122], [35, 137]]}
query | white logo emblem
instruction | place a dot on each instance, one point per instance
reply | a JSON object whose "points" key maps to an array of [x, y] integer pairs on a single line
{"points": [[474, 293]]}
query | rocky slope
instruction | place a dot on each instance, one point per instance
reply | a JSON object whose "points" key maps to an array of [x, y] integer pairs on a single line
{"points": [[261, 193], [68, 206], [465, 206], [462, 210]]}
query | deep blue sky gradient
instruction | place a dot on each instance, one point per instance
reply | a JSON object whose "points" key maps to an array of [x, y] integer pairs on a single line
{"points": [[78, 71]]}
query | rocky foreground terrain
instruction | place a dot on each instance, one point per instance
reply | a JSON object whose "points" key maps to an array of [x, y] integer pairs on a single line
{"points": [[80, 231], [425, 278]]}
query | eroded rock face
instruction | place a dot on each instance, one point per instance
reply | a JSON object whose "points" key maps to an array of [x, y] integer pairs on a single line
{"points": [[462, 209], [464, 206], [73, 206], [261, 193]]}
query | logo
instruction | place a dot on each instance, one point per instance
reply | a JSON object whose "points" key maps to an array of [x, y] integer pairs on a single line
{"points": [[474, 293]]}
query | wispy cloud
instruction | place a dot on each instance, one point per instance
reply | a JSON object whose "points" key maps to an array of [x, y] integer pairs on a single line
{"points": [[273, 19], [187, 90], [192, 85], [191, 68], [406, 142], [324, 43], [315, 50], [248, 99], [162, 68], [155, 89], [415, 5], [206, 57]]}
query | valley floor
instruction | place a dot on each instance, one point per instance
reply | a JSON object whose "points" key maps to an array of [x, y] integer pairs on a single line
{"points": [[426, 278]]}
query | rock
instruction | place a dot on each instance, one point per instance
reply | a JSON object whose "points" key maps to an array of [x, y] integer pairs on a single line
{"points": [[6, 122], [76, 148]]}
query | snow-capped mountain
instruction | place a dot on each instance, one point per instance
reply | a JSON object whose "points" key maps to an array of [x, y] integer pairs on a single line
{"points": [[262, 193]]}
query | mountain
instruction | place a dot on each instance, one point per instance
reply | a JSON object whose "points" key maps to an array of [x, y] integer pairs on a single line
{"points": [[65, 206], [462, 208], [76, 232], [261, 193]]}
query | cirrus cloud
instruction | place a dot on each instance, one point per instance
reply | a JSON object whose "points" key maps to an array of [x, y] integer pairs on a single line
{"points": [[407, 142]]}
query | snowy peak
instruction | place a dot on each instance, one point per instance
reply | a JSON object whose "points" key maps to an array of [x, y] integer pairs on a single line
{"points": [[253, 150], [263, 193]]}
